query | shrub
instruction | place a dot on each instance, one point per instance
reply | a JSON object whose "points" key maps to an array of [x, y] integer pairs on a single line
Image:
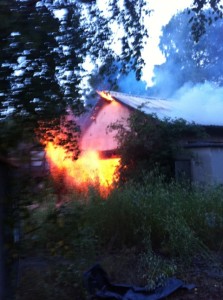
{"points": [[147, 142]]}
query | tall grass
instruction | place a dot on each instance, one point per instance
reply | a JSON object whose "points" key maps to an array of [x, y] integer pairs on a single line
{"points": [[177, 219], [149, 224]]}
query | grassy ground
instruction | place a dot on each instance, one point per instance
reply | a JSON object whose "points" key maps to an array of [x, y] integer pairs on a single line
{"points": [[141, 234]]}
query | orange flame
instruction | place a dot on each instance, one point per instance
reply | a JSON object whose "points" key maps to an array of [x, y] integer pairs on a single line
{"points": [[88, 170], [106, 95]]}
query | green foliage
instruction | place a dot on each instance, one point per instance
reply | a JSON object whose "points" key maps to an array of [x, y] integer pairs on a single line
{"points": [[69, 282], [148, 143], [115, 221], [154, 269], [176, 218], [67, 233], [169, 219], [32, 45], [145, 229], [34, 64]]}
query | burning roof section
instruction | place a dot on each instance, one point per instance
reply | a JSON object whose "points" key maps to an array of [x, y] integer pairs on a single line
{"points": [[110, 108], [171, 108], [146, 104]]}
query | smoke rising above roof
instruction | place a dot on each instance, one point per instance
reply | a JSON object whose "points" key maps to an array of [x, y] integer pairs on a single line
{"points": [[191, 78], [201, 103]]}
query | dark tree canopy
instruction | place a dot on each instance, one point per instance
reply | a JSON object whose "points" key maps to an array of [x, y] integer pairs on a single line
{"points": [[40, 57], [33, 58], [200, 19]]}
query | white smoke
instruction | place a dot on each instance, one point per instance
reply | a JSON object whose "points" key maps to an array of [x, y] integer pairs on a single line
{"points": [[201, 103]]}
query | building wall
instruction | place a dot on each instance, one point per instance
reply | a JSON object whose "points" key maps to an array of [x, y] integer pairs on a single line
{"points": [[96, 136], [207, 165]]}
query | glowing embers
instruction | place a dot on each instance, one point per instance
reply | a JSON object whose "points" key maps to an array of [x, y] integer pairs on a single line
{"points": [[106, 95], [88, 170]]}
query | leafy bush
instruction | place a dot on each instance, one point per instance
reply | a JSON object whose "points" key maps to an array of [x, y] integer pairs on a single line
{"points": [[147, 143]]}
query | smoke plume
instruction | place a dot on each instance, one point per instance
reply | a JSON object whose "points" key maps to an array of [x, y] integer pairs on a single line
{"points": [[201, 103]]}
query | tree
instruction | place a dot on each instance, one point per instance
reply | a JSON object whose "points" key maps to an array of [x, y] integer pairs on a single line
{"points": [[131, 18], [32, 60], [199, 18], [131, 34], [41, 57], [148, 143], [186, 60]]}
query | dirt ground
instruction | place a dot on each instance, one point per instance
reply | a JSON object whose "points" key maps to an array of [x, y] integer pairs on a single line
{"points": [[207, 276]]}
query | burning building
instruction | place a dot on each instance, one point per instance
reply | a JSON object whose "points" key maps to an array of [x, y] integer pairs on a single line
{"points": [[98, 160], [96, 165]]}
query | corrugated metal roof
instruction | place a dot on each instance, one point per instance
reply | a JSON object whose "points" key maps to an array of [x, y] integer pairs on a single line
{"points": [[146, 104], [171, 108]]}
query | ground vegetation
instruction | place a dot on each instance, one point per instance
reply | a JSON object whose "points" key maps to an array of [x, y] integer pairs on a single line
{"points": [[142, 234]]}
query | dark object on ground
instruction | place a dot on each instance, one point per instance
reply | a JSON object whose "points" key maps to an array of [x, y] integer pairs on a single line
{"points": [[99, 287]]}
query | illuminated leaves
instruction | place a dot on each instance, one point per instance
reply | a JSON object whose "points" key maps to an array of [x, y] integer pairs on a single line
{"points": [[61, 132]]}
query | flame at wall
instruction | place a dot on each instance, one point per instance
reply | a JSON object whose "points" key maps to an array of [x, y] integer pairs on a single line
{"points": [[88, 170]]}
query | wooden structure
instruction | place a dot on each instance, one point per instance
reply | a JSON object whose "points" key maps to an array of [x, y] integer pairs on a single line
{"points": [[203, 159], [112, 107]]}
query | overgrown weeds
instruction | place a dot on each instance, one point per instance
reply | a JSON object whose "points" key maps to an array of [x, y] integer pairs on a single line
{"points": [[146, 227]]}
